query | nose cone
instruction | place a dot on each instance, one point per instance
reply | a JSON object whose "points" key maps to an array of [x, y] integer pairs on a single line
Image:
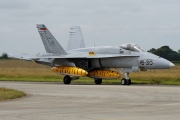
{"points": [[162, 63], [171, 65]]}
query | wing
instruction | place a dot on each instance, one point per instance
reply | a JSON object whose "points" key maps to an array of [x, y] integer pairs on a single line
{"points": [[75, 55]]}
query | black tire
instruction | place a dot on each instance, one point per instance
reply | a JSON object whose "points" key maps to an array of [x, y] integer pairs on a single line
{"points": [[128, 82], [67, 79], [123, 81], [98, 81]]}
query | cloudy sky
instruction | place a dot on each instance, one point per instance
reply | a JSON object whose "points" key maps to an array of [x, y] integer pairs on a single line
{"points": [[149, 23]]}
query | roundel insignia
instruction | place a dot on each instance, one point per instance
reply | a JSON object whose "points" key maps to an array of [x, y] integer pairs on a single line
{"points": [[92, 53]]}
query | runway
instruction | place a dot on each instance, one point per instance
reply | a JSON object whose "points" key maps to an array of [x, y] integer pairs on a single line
{"points": [[56, 101]]}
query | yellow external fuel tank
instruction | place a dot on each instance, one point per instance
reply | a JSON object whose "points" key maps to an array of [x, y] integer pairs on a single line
{"points": [[70, 70], [107, 74]]}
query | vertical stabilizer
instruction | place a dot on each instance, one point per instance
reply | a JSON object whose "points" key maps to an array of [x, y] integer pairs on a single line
{"points": [[75, 38], [50, 43]]}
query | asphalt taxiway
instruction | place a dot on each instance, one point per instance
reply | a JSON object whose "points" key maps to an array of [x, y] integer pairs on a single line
{"points": [[55, 101]]}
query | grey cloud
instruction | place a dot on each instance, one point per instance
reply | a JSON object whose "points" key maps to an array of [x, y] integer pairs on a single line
{"points": [[103, 22], [14, 4]]}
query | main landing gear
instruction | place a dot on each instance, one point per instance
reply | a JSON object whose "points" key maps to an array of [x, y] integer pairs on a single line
{"points": [[67, 79], [126, 80], [98, 81]]}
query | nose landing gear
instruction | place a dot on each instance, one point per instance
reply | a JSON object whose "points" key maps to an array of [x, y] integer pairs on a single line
{"points": [[126, 80]]}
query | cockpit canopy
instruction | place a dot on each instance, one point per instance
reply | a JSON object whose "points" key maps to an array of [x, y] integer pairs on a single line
{"points": [[131, 47]]}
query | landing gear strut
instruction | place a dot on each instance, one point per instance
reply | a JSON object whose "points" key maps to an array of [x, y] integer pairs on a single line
{"points": [[67, 79], [98, 81], [126, 80]]}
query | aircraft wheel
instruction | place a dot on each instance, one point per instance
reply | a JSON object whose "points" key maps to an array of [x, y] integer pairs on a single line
{"points": [[123, 81], [67, 79], [98, 81], [128, 82]]}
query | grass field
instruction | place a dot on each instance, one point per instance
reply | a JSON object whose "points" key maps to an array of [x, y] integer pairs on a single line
{"points": [[19, 70], [7, 94]]}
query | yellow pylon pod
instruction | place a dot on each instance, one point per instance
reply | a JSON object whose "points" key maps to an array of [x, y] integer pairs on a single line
{"points": [[69, 70], [107, 74]]}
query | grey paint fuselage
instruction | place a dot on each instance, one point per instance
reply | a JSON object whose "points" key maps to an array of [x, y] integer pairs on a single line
{"points": [[134, 58]]}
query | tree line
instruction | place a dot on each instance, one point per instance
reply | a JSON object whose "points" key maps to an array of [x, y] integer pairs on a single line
{"points": [[4, 56], [167, 53]]}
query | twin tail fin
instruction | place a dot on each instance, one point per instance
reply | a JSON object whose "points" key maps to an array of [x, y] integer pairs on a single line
{"points": [[50, 43]]}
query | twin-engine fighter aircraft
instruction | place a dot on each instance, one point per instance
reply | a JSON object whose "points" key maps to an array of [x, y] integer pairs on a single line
{"points": [[104, 62]]}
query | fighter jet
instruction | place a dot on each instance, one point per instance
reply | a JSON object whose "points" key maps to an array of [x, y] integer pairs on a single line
{"points": [[104, 62]]}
